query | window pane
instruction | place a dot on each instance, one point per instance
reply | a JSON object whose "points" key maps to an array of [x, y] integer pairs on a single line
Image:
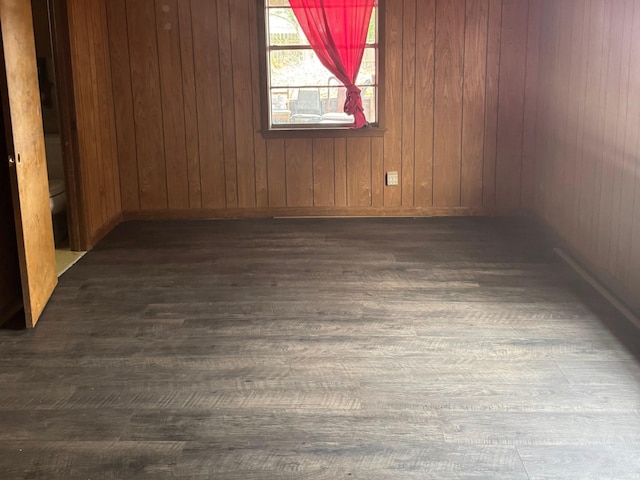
{"points": [[302, 90], [318, 105], [302, 68], [284, 29], [371, 35]]}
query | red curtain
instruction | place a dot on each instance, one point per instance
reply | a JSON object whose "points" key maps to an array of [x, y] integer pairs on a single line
{"points": [[337, 32]]}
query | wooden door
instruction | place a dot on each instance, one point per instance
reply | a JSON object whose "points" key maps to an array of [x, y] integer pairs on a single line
{"points": [[25, 145]]}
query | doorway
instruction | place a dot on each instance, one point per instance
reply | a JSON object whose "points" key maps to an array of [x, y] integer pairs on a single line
{"points": [[51, 119]]}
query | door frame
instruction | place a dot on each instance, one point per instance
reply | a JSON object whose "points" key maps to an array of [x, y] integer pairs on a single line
{"points": [[62, 64]]}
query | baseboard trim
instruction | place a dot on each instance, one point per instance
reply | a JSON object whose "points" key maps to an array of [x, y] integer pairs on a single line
{"points": [[616, 293], [214, 213], [599, 287], [102, 232]]}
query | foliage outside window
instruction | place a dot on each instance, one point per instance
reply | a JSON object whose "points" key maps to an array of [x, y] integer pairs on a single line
{"points": [[302, 92]]}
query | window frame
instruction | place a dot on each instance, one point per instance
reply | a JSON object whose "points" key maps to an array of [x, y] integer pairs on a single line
{"points": [[313, 130]]}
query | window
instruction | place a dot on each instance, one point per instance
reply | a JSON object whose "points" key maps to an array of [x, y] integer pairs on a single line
{"points": [[301, 92]]}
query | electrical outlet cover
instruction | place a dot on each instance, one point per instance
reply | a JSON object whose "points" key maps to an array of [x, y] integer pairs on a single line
{"points": [[392, 179]]}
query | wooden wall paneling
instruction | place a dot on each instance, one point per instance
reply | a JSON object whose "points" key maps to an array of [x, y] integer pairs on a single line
{"points": [[95, 172], [492, 79], [123, 104], [259, 144], [589, 121], [619, 153], [592, 107], [513, 57], [571, 61], [89, 123], [450, 19], [83, 82], [107, 116], [440, 87], [323, 172], [359, 172], [276, 173], [209, 104], [608, 119], [243, 103], [475, 69], [100, 196], [558, 105], [377, 172], [531, 105], [544, 99], [579, 83], [145, 77], [424, 104], [340, 152], [560, 173], [225, 56], [393, 102], [299, 172], [173, 108], [190, 106], [408, 101], [633, 279], [599, 128], [631, 167]]}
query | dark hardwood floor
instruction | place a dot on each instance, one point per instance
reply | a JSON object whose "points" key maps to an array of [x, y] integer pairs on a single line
{"points": [[322, 349]]}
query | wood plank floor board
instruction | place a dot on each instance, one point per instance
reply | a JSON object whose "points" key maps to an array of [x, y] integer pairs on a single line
{"points": [[599, 372], [367, 461], [470, 397], [369, 349], [106, 460], [581, 462], [541, 428]]}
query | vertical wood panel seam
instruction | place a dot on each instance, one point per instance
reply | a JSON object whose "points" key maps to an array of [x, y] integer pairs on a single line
{"points": [[635, 198], [636, 207], [626, 119], [401, 116], [95, 111], [495, 170], [524, 100], [601, 262], [335, 183], [235, 119], [415, 89], [464, 65], [253, 109], [346, 168], [195, 86], [486, 103], [313, 172], [266, 148], [602, 77], [286, 186], [135, 150], [433, 103], [184, 104], [371, 174], [166, 167], [585, 46], [586, 27], [224, 154]]}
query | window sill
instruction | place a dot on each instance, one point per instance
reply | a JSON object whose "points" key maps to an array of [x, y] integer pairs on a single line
{"points": [[340, 132]]}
